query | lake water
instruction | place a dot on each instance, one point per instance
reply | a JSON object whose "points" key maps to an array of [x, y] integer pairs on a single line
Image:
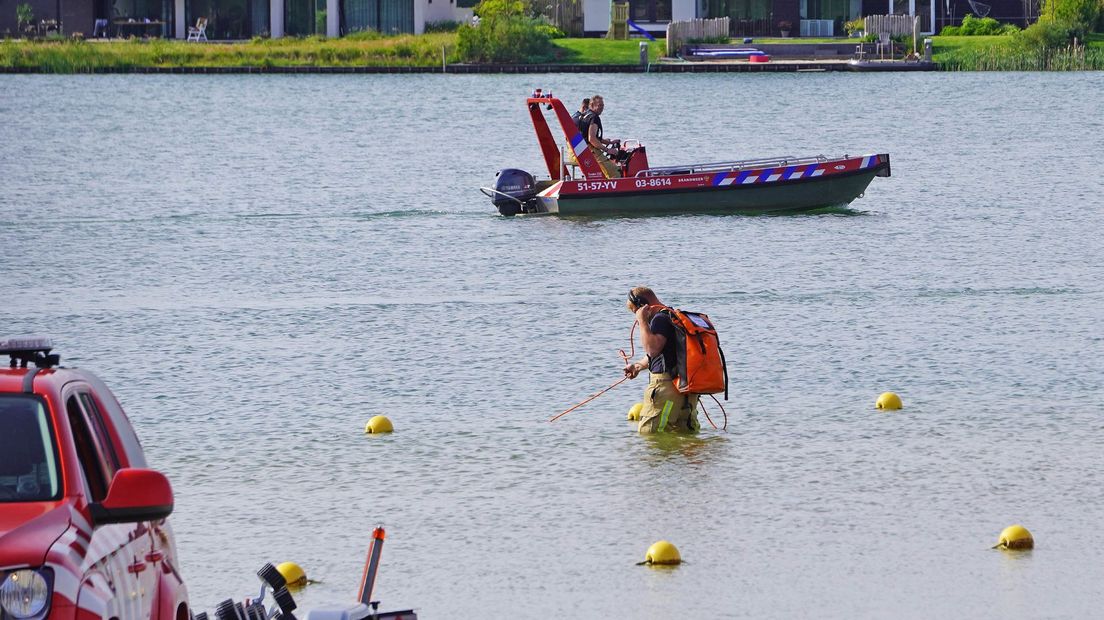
{"points": [[259, 264]]}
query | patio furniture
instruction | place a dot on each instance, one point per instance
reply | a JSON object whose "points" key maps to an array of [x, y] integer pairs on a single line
{"points": [[99, 30], [884, 41], [134, 27], [199, 31]]}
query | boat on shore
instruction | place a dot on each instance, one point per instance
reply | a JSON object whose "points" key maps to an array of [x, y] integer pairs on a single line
{"points": [[856, 64], [576, 184]]}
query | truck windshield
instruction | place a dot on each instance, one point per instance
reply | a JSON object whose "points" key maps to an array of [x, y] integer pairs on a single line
{"points": [[28, 462]]}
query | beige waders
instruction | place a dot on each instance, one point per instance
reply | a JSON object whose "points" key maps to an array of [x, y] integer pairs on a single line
{"points": [[666, 409], [608, 167]]}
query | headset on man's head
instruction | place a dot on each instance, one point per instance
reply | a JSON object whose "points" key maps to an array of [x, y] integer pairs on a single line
{"points": [[636, 300]]}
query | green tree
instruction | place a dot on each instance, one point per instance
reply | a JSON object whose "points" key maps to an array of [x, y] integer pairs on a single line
{"points": [[508, 31], [1080, 13]]}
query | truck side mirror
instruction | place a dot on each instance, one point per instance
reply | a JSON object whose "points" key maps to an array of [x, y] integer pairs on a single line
{"points": [[134, 495]]}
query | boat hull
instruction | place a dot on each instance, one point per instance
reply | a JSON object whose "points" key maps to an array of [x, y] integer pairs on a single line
{"points": [[783, 189]]}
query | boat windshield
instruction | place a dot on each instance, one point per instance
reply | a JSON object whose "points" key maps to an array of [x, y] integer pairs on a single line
{"points": [[28, 461]]}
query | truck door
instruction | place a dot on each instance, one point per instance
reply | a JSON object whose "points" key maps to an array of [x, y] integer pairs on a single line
{"points": [[117, 552]]}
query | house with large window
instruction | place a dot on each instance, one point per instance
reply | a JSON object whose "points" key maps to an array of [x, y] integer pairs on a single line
{"points": [[806, 18], [238, 19], [243, 19]]}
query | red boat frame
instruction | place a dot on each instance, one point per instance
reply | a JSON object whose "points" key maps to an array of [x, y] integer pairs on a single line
{"points": [[642, 180]]}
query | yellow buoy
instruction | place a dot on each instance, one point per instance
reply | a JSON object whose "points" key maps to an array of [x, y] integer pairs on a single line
{"points": [[1015, 537], [662, 552], [378, 424], [889, 401], [293, 574], [634, 411]]}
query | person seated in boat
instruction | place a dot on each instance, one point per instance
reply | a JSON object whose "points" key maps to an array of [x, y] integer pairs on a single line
{"points": [[602, 148], [580, 113]]}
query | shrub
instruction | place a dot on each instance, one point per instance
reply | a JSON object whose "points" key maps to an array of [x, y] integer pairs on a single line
{"points": [[447, 25], [978, 26], [981, 26], [363, 35], [855, 25], [24, 14], [507, 32], [1049, 34], [552, 31]]}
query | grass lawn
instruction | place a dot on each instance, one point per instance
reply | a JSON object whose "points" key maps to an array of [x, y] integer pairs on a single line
{"points": [[370, 49], [944, 47], [1006, 53], [605, 51], [356, 50]]}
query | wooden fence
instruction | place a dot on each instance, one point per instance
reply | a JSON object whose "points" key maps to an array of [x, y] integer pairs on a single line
{"points": [[892, 25], [567, 15], [679, 33]]}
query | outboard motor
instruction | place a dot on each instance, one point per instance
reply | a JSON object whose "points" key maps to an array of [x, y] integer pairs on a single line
{"points": [[515, 192]]}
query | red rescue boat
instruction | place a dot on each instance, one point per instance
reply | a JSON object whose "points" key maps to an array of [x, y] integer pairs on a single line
{"points": [[577, 184]]}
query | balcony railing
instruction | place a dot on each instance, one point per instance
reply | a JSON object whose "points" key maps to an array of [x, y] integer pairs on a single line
{"points": [[818, 28], [750, 27]]}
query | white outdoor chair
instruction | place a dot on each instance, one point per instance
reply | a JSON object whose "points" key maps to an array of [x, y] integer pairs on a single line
{"points": [[199, 31], [884, 41]]}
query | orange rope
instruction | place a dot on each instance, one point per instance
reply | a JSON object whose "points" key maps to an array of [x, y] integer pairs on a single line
{"points": [[624, 357], [590, 398], [724, 427], [632, 346], [702, 407]]}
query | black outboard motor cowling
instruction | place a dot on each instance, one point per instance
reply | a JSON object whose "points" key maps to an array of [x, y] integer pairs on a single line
{"points": [[515, 192]]}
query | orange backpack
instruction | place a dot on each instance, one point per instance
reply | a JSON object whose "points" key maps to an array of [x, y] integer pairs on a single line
{"points": [[701, 362]]}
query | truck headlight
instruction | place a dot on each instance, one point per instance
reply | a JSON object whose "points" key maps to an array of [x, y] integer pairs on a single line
{"points": [[25, 593]]}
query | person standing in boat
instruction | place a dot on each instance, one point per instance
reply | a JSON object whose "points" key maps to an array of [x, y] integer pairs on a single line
{"points": [[577, 117], [665, 408], [601, 147]]}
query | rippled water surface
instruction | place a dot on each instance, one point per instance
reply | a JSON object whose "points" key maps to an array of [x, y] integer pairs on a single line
{"points": [[257, 265]]}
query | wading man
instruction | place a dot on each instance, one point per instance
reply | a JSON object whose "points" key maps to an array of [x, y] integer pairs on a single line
{"points": [[665, 408]]}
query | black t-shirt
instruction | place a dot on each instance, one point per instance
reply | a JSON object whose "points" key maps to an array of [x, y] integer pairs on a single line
{"points": [[577, 117], [592, 119], [666, 361], [584, 125]]}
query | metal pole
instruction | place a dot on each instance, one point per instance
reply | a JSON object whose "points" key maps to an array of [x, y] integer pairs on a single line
{"points": [[368, 580]]}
